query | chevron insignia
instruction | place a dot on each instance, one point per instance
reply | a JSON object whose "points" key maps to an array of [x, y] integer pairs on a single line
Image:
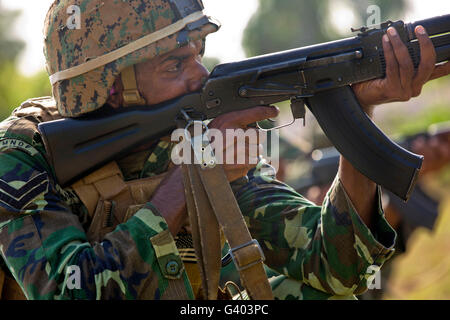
{"points": [[17, 194]]}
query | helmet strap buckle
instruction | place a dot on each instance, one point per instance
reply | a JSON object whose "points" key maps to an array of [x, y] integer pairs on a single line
{"points": [[131, 95]]}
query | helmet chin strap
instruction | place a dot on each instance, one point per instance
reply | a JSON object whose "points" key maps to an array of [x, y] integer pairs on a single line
{"points": [[131, 95]]}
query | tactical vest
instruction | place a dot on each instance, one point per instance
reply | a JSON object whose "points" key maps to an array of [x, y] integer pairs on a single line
{"points": [[110, 201]]}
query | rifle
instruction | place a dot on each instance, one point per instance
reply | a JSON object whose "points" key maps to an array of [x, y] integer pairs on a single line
{"points": [[318, 76]]}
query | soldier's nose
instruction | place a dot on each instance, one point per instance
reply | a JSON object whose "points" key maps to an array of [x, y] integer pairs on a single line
{"points": [[199, 76]]}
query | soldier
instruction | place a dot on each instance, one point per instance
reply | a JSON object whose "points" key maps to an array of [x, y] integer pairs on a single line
{"points": [[121, 229]]}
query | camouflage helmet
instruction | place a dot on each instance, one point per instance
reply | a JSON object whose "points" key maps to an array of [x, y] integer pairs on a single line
{"points": [[84, 57]]}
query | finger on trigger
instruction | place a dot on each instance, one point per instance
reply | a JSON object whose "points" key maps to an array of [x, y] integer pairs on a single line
{"points": [[256, 114]]}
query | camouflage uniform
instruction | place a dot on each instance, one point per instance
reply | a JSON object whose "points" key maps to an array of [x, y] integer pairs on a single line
{"points": [[318, 252]]}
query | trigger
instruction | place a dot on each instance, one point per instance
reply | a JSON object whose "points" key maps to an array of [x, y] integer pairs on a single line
{"points": [[298, 109]]}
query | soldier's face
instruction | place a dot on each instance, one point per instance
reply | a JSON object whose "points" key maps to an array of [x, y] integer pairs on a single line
{"points": [[171, 75]]}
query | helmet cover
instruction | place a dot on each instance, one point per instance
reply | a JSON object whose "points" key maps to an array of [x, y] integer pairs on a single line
{"points": [[84, 62]]}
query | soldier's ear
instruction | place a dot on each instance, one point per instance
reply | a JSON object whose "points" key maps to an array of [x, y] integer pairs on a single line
{"points": [[115, 98]]}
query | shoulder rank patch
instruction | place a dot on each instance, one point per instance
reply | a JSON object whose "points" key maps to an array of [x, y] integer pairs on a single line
{"points": [[6, 144], [17, 194]]}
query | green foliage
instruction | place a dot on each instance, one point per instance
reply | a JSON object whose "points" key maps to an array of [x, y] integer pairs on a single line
{"points": [[15, 87], [9, 48], [405, 119], [285, 24], [421, 121]]}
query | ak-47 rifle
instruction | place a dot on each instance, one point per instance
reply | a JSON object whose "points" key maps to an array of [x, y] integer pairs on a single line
{"points": [[318, 76]]}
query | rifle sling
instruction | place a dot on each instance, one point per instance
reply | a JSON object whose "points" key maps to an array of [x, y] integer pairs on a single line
{"points": [[211, 186], [205, 232]]}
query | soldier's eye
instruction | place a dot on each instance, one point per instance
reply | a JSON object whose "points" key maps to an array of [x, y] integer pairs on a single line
{"points": [[174, 68]]}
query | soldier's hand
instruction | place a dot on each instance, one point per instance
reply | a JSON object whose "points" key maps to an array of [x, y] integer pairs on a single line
{"points": [[402, 82], [239, 158]]}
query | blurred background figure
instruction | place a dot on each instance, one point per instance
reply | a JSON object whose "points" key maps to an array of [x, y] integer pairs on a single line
{"points": [[422, 209]]}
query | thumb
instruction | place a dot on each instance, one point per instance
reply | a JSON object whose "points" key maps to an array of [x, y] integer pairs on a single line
{"points": [[440, 71]]}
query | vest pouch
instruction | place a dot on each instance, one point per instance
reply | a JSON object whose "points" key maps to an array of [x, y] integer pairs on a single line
{"points": [[111, 209], [102, 222], [110, 200]]}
